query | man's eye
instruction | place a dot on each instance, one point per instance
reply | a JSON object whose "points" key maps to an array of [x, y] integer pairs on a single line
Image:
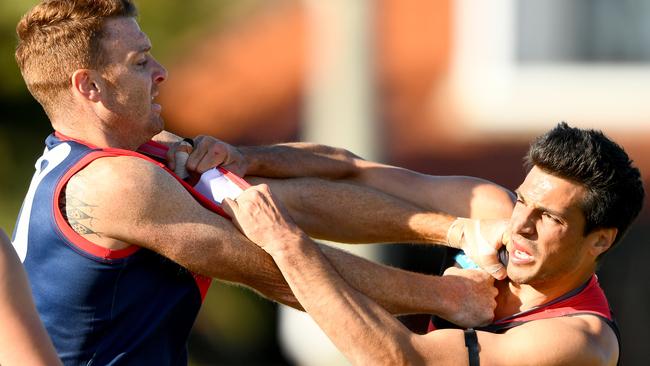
{"points": [[553, 218], [142, 63]]}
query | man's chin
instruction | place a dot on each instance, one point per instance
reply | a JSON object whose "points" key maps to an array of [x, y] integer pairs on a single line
{"points": [[158, 125], [517, 277]]}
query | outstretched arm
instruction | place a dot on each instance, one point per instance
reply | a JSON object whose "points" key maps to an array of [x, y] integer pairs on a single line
{"points": [[372, 202], [23, 339], [367, 335], [136, 202], [454, 195], [352, 213]]}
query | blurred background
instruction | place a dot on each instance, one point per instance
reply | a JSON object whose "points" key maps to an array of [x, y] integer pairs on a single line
{"points": [[442, 87]]}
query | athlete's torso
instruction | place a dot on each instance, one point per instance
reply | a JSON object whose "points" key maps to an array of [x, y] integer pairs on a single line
{"points": [[130, 306], [588, 299]]}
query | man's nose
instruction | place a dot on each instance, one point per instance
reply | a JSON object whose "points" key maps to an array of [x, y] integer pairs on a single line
{"points": [[160, 73], [523, 220]]}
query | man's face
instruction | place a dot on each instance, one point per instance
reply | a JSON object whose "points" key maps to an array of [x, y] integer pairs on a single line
{"points": [[132, 78], [547, 226]]}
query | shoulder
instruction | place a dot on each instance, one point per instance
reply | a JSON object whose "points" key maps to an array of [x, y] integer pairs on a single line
{"points": [[582, 339], [123, 176], [121, 167], [578, 340], [112, 192]]}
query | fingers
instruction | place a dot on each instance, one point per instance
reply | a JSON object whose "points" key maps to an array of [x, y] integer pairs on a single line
{"points": [[250, 200], [236, 168], [481, 239], [171, 158], [496, 270], [231, 207], [207, 154], [474, 293], [177, 156]]}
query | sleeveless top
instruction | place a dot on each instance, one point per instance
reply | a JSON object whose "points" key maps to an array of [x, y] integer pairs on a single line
{"points": [[102, 306], [588, 299]]}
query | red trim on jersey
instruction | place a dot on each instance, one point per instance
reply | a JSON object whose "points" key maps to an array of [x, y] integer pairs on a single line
{"points": [[590, 300], [154, 148], [239, 181], [63, 137], [157, 150], [72, 236]]}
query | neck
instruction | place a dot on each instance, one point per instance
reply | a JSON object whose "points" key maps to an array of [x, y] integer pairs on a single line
{"points": [[97, 137], [514, 298]]}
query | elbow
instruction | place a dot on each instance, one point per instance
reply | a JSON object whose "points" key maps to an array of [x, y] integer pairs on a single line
{"points": [[490, 201], [348, 163]]}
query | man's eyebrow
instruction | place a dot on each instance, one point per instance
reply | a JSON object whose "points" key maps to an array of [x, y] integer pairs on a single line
{"points": [[142, 49], [538, 207]]}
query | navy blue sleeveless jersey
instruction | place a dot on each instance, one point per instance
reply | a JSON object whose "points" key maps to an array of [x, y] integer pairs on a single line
{"points": [[100, 306]]}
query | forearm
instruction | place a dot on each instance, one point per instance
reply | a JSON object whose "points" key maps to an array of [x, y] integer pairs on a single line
{"points": [[354, 214], [222, 252], [235, 259], [299, 160], [456, 195], [23, 339], [396, 290], [363, 331]]}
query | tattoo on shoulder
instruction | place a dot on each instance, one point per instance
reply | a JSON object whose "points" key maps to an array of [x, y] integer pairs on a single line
{"points": [[78, 213]]}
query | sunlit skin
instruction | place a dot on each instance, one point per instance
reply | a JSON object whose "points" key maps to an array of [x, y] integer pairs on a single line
{"points": [[132, 79], [113, 106], [549, 253]]}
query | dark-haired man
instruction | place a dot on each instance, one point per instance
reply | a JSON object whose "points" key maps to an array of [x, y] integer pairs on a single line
{"points": [[108, 236], [579, 197]]}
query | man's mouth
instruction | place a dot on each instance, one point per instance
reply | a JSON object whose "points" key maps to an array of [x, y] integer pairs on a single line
{"points": [[155, 107], [520, 255]]}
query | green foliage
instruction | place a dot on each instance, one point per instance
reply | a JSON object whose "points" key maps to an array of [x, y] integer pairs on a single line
{"points": [[168, 23], [234, 322], [24, 126], [10, 13]]}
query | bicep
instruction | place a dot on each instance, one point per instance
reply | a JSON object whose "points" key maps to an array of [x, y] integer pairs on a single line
{"points": [[141, 204]]}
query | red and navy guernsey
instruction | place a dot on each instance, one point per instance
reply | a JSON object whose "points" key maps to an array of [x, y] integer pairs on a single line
{"points": [[100, 306]]}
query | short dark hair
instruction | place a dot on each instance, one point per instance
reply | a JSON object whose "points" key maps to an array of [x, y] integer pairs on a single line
{"points": [[614, 187], [57, 37]]}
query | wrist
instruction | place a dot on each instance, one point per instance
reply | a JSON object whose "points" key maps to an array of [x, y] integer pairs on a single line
{"points": [[286, 245], [250, 163], [455, 233]]}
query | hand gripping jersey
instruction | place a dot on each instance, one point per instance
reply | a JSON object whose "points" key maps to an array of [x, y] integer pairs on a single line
{"points": [[588, 299], [101, 306]]}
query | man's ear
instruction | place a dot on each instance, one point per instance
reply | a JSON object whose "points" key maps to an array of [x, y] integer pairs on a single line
{"points": [[602, 240], [86, 85]]}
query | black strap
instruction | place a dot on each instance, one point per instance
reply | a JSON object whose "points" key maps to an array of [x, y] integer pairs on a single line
{"points": [[471, 342]]}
